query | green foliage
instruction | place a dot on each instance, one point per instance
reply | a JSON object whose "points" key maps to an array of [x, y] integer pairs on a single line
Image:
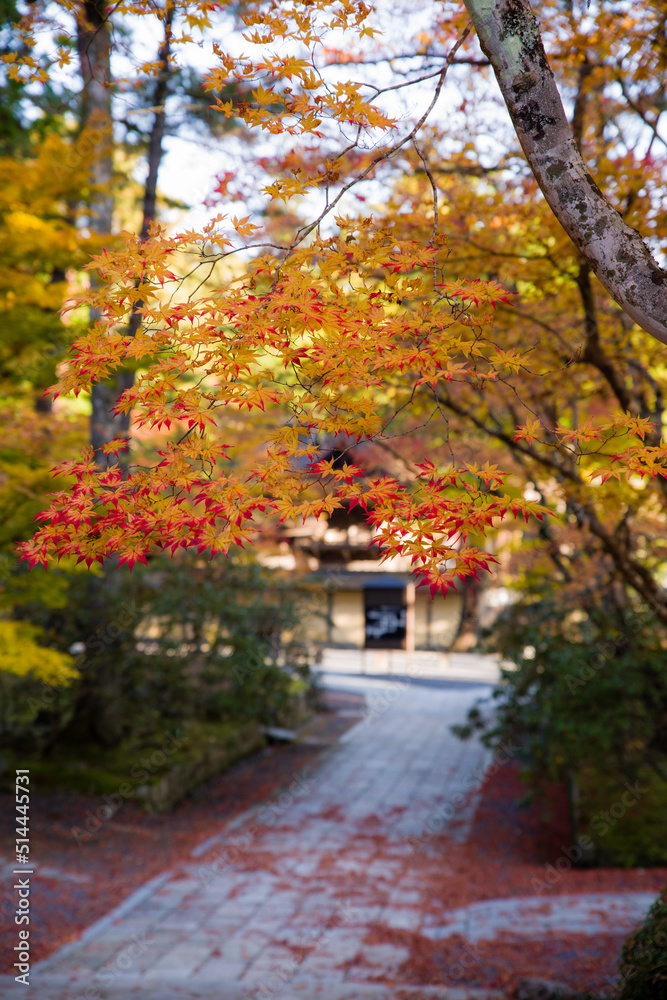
{"points": [[33, 676], [589, 688], [586, 702], [644, 958], [31, 669], [176, 641], [626, 822]]}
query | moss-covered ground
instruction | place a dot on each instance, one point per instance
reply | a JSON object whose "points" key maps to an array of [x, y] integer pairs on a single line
{"points": [[92, 769]]}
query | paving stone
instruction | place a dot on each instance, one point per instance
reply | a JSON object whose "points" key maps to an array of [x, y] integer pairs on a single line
{"points": [[219, 970], [379, 961], [181, 961]]}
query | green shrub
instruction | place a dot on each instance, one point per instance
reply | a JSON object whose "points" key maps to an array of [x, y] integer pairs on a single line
{"points": [[644, 957], [222, 636], [180, 639], [588, 688]]}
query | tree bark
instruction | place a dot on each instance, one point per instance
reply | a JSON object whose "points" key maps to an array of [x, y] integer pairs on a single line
{"points": [[509, 36], [94, 49], [94, 46], [97, 715], [155, 146]]}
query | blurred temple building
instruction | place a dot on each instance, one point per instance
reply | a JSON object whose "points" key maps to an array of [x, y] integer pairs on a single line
{"points": [[366, 603]]}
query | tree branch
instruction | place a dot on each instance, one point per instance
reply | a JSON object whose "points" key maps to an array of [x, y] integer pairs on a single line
{"points": [[615, 546], [509, 35]]}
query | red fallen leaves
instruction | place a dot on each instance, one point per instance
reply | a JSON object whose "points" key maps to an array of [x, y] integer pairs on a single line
{"points": [[131, 848], [134, 847], [581, 962], [507, 848]]}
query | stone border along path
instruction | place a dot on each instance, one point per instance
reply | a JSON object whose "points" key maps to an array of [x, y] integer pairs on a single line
{"points": [[277, 907]]}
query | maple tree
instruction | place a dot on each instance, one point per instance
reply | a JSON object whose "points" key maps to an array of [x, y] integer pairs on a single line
{"points": [[586, 367], [352, 326], [583, 371]]}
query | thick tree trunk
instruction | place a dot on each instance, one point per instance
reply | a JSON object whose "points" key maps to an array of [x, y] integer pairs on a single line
{"points": [[509, 35], [97, 715], [94, 46]]}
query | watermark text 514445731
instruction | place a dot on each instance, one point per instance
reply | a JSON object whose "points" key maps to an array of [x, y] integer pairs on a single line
{"points": [[22, 871]]}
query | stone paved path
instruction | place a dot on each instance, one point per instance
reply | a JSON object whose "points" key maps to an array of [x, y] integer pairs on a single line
{"points": [[589, 914], [279, 905]]}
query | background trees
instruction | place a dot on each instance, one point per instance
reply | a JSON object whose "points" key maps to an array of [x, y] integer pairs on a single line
{"points": [[184, 643], [44, 176]]}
